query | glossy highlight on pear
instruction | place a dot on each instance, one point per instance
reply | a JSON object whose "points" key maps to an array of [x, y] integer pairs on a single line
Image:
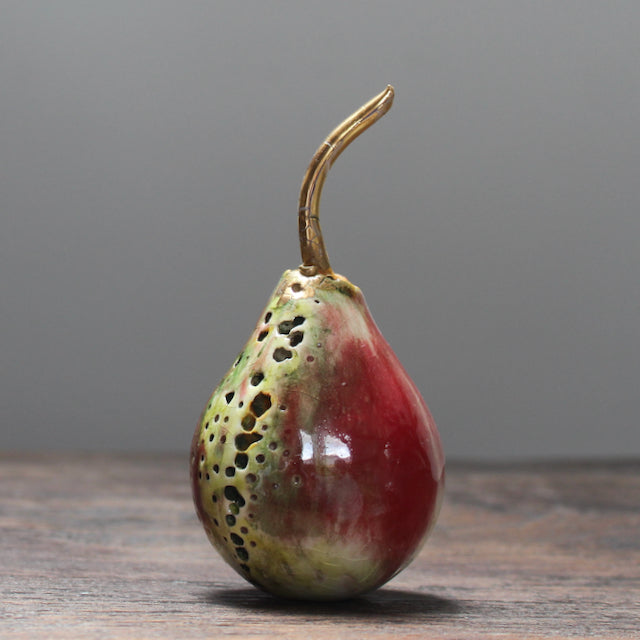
{"points": [[316, 468]]}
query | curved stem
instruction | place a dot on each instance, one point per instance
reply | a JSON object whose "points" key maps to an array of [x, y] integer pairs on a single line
{"points": [[314, 254]]}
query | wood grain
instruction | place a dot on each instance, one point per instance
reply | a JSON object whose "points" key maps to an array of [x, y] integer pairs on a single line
{"points": [[108, 546]]}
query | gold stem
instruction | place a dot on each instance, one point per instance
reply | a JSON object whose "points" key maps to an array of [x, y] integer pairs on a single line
{"points": [[314, 254]]}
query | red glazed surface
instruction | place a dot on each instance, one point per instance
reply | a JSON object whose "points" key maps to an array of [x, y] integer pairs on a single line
{"points": [[345, 476]]}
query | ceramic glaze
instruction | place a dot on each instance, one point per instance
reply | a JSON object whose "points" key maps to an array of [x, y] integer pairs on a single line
{"points": [[316, 467]]}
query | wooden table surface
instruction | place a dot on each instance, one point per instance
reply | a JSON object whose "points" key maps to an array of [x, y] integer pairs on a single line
{"points": [[108, 546]]}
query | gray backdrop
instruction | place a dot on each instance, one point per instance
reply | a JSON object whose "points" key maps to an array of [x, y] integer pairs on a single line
{"points": [[151, 155]]}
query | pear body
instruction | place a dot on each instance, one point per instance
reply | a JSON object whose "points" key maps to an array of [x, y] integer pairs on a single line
{"points": [[316, 467]]}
